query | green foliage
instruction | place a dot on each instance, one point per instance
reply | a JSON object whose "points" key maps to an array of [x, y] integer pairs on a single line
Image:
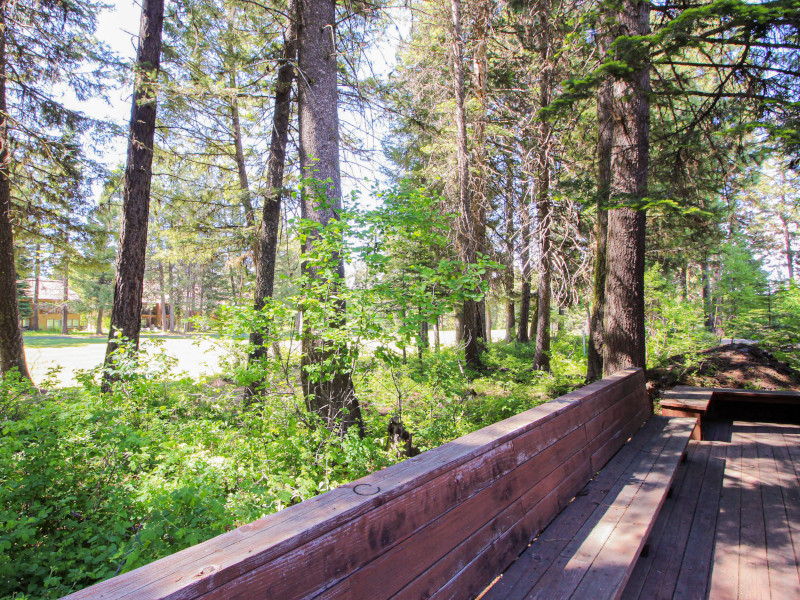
{"points": [[91, 486], [674, 324], [401, 280], [743, 290]]}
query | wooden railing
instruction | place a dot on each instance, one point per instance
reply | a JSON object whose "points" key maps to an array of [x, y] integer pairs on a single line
{"points": [[441, 524]]}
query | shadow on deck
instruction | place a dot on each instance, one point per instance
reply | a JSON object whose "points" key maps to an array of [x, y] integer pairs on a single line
{"points": [[732, 526]]}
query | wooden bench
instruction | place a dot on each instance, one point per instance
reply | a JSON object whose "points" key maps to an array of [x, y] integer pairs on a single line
{"points": [[688, 401], [591, 548], [443, 524]]}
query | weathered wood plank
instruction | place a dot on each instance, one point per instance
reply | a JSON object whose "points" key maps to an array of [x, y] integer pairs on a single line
{"points": [[342, 551], [790, 488], [644, 563], [610, 569], [606, 446], [724, 582], [753, 565], [476, 575], [466, 570], [669, 555], [696, 566], [781, 558], [564, 573], [439, 535], [572, 518]]}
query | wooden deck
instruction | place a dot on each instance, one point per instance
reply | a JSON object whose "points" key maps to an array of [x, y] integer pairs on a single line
{"points": [[732, 526]]}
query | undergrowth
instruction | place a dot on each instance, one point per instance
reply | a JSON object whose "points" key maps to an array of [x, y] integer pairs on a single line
{"points": [[92, 485]]}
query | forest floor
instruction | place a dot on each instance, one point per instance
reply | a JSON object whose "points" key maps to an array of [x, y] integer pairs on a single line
{"points": [[736, 365]]}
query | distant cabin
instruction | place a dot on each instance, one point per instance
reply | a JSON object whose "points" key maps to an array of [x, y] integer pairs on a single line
{"points": [[51, 303]]}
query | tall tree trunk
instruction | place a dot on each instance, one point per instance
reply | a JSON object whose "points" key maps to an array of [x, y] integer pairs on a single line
{"points": [[788, 248], [12, 351], [163, 296], [541, 358], [65, 306], [787, 240], [172, 302], [707, 298], [508, 274], [605, 136], [267, 247], [624, 331], [37, 270], [99, 325], [333, 395], [424, 340], [187, 299], [436, 340], [684, 282], [192, 299], [525, 259], [479, 200], [126, 310], [234, 295], [471, 329]]}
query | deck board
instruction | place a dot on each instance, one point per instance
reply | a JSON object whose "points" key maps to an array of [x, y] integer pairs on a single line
{"points": [[753, 565], [783, 581], [732, 528], [693, 576]]}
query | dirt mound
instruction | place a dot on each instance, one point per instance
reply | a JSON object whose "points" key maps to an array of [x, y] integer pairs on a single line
{"points": [[731, 366]]}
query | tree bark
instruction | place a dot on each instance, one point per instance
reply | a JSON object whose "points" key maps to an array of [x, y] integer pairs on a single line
{"points": [[37, 270], [172, 303], [624, 331], [267, 247], [605, 136], [99, 324], [65, 306], [471, 321], [525, 259], [788, 248], [541, 357], [12, 351], [479, 200], [332, 396], [508, 274], [424, 340], [787, 239], [129, 281], [707, 297], [163, 296]]}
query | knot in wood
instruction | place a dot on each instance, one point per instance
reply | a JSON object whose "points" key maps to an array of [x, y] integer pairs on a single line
{"points": [[207, 570]]}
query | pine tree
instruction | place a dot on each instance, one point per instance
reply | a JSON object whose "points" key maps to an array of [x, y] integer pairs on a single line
{"points": [[129, 278]]}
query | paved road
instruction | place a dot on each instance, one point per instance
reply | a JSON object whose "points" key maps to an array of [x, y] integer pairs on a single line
{"points": [[196, 356]]}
